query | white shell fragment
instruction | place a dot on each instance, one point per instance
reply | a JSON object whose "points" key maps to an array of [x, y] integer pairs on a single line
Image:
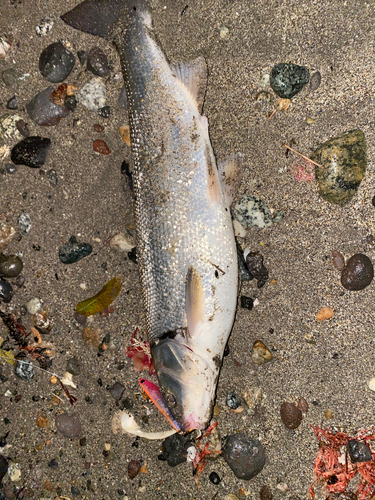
{"points": [[4, 47], [121, 242], [68, 380], [34, 305], [239, 230], [125, 422], [371, 384], [191, 452]]}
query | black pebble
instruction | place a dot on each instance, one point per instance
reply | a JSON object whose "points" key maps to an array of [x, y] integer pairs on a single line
{"points": [[214, 478], [127, 404], [10, 265], [358, 451], [82, 56], [53, 464], [70, 102], [23, 128], [133, 255], [254, 262], [12, 103], [73, 251], [6, 291], [117, 390], [245, 456], [105, 111], [97, 62], [233, 401], [373, 201], [173, 449], [56, 62], [358, 273], [31, 151], [3, 467], [247, 302], [287, 80], [75, 491]]}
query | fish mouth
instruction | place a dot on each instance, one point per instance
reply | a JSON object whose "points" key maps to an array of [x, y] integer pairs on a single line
{"points": [[186, 382]]}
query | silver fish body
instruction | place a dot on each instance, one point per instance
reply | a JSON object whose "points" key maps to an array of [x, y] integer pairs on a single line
{"points": [[185, 244]]}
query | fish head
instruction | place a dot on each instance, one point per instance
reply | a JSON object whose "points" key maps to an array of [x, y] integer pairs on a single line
{"points": [[186, 381]]}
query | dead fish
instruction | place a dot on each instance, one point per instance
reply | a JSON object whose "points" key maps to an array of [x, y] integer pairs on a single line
{"points": [[186, 249]]}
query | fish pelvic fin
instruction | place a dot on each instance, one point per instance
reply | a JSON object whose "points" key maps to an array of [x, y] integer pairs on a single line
{"points": [[212, 178], [230, 173], [194, 301], [193, 75]]}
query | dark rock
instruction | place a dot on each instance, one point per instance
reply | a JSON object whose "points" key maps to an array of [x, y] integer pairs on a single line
{"points": [[24, 370], [247, 302], [233, 401], [10, 265], [75, 491], [70, 102], [315, 81], [265, 493], [43, 111], [73, 366], [105, 111], [344, 163], [73, 252], [23, 128], [373, 201], [53, 464], [31, 151], [245, 456], [101, 147], [83, 441], [127, 404], [117, 391], [133, 255], [12, 103], [97, 62], [10, 168], [303, 406], [254, 262], [358, 273], [6, 291], [3, 467], [174, 449], [82, 56], [10, 77], [56, 62], [52, 177], [68, 425], [358, 451], [291, 415], [287, 80], [214, 478], [245, 274], [133, 468]]}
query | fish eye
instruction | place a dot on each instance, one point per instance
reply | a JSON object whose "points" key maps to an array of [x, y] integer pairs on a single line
{"points": [[171, 399]]}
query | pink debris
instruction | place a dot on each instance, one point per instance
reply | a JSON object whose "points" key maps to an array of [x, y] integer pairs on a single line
{"points": [[139, 352], [304, 172]]}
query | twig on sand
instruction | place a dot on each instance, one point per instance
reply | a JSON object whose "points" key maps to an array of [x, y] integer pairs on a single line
{"points": [[303, 156]]}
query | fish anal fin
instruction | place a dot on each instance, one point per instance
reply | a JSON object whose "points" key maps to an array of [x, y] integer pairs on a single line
{"points": [[212, 177], [193, 75], [230, 173], [194, 300]]}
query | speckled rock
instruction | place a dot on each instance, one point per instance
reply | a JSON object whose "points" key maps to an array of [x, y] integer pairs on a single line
{"points": [[245, 456], [24, 370], [31, 151], [261, 354], [56, 62], [92, 95], [233, 401], [358, 273], [45, 26], [6, 291], [24, 223], [97, 62], [251, 211], [291, 415], [43, 111], [287, 80], [358, 451], [68, 425], [8, 127], [338, 260], [73, 251], [254, 262], [117, 390], [344, 165]]}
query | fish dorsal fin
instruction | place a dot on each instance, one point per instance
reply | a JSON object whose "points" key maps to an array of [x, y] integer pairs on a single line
{"points": [[193, 75], [230, 173], [194, 301], [212, 177], [96, 17]]}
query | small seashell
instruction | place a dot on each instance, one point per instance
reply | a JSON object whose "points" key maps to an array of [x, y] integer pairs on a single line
{"points": [[4, 48], [261, 354]]}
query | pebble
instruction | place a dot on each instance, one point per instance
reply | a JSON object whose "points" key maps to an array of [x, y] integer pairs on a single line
{"points": [[23, 128], [97, 62], [254, 263], [133, 468], [68, 425], [73, 251], [6, 234], [315, 81], [105, 111], [344, 165], [41, 421], [239, 230], [6, 291], [287, 80], [31, 151], [245, 456], [34, 305], [70, 102], [117, 390], [264, 80], [8, 127], [251, 211], [174, 449], [10, 168], [328, 414], [358, 451], [253, 397], [283, 487], [92, 95], [261, 353], [338, 260], [324, 313], [214, 478], [245, 274], [75, 491], [291, 415], [10, 265], [4, 47], [12, 103], [122, 242], [82, 56], [56, 62], [101, 147], [14, 472], [3, 467], [10, 77], [125, 134], [73, 366], [358, 273], [302, 405], [45, 26], [24, 370], [19, 282], [233, 401], [24, 223], [247, 302], [265, 493], [231, 496], [52, 177], [43, 111]]}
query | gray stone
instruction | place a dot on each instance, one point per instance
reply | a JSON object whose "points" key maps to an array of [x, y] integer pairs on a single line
{"points": [[287, 80], [244, 455]]}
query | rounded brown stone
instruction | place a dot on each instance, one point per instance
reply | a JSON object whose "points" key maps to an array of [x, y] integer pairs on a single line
{"points": [[358, 273], [290, 415]]}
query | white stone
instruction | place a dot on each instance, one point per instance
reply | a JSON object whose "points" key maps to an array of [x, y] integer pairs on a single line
{"points": [[34, 305], [93, 95], [371, 384]]}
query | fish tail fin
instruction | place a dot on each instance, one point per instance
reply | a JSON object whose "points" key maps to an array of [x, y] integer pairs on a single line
{"points": [[96, 17]]}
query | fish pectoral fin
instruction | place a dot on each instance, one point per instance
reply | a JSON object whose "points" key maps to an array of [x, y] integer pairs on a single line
{"points": [[193, 75], [194, 301], [213, 181], [230, 174]]}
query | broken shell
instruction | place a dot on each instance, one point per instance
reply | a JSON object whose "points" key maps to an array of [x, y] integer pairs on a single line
{"points": [[122, 242], [125, 422], [41, 321], [261, 353], [252, 397], [68, 380]]}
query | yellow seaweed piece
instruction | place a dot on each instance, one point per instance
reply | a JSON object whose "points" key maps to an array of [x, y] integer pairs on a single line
{"points": [[101, 300], [8, 356]]}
